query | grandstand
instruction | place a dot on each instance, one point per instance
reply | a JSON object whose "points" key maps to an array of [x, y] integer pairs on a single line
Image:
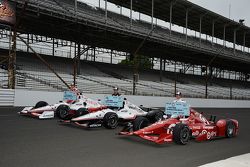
{"points": [[100, 78], [94, 28]]}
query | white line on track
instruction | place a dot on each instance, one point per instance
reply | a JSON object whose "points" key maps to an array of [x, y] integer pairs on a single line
{"points": [[237, 161]]}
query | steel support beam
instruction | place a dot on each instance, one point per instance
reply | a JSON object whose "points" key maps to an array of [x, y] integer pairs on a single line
{"points": [[53, 47], [131, 13], [175, 79], [206, 84], [213, 32], [164, 65], [152, 15], [170, 19], [78, 58], [244, 41], [106, 11], [235, 36], [75, 6], [187, 11], [44, 61], [111, 57], [28, 41], [12, 62], [200, 28], [161, 69], [94, 53], [224, 36]]}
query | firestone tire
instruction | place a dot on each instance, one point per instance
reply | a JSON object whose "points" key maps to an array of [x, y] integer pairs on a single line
{"points": [[140, 123], [181, 134], [81, 111], [62, 112], [110, 120], [230, 129], [40, 104]]}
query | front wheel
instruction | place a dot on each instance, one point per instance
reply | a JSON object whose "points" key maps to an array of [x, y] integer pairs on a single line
{"points": [[62, 112], [181, 134], [139, 123], [40, 104], [110, 120], [230, 129]]}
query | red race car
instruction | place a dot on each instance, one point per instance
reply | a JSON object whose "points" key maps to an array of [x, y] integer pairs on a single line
{"points": [[181, 129]]}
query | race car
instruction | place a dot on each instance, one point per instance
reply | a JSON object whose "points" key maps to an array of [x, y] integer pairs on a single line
{"points": [[71, 100], [180, 129], [110, 117]]}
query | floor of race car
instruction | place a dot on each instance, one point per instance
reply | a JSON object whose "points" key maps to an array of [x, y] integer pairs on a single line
{"points": [[30, 142]]}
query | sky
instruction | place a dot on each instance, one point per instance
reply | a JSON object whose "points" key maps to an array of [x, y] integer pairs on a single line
{"points": [[239, 8]]}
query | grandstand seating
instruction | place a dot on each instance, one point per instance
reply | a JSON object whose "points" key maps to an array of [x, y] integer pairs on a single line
{"points": [[101, 78], [95, 14]]}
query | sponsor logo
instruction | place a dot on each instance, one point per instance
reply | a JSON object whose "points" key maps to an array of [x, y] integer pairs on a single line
{"points": [[95, 125], [196, 127], [170, 129], [211, 134], [196, 133], [203, 132], [209, 127], [168, 140]]}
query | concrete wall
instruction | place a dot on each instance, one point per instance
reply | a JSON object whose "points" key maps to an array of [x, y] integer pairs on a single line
{"points": [[7, 97], [30, 98]]}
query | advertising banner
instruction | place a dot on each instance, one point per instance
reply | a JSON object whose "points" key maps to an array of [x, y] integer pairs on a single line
{"points": [[7, 12]]}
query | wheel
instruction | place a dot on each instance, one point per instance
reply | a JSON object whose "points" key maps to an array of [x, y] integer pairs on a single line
{"points": [[181, 134], [62, 112], [139, 123], [230, 129], [155, 116], [81, 111], [40, 104], [110, 120]]}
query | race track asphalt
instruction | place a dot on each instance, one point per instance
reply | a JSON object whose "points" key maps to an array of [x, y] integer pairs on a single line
{"points": [[29, 142]]}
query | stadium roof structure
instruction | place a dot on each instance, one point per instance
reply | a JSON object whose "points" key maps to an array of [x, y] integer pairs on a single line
{"points": [[198, 18], [90, 26]]}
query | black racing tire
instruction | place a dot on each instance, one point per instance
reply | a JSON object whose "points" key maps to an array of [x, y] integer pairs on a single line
{"points": [[81, 111], [230, 129], [140, 123], [181, 134], [40, 104], [62, 112], [110, 120], [155, 116], [158, 115]]}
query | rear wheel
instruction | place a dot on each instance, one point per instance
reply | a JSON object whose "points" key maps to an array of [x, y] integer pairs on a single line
{"points": [[230, 129], [110, 120], [40, 104], [181, 134], [81, 111], [139, 123], [62, 112], [158, 116], [155, 116]]}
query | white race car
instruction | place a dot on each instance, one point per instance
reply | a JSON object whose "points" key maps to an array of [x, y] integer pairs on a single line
{"points": [[43, 110], [110, 117]]}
